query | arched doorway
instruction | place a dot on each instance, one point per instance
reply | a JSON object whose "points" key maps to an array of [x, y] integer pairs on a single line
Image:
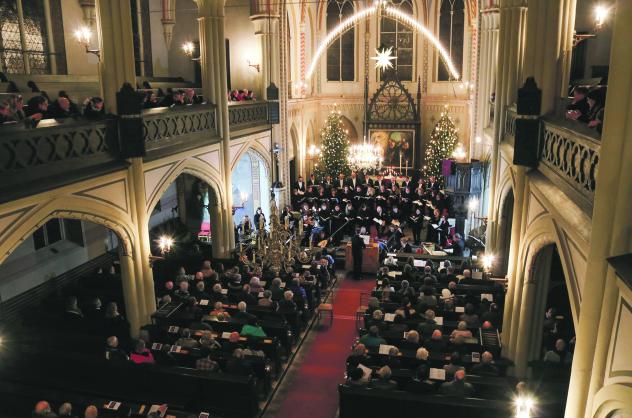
{"points": [[187, 213], [504, 234], [67, 262], [251, 187]]}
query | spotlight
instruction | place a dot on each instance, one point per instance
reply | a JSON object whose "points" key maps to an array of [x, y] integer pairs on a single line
{"points": [[488, 261], [524, 407], [601, 14]]}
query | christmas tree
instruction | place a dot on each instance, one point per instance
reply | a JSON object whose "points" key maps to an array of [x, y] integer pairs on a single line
{"points": [[443, 140], [335, 148]]}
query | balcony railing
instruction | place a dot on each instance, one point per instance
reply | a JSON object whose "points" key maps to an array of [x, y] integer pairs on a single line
{"points": [[51, 150], [245, 115], [571, 156], [166, 126]]}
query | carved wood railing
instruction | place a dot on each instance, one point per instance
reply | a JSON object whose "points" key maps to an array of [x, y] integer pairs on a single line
{"points": [[244, 115]]}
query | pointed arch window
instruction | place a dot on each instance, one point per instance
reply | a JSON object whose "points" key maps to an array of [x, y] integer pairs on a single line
{"points": [[400, 37], [451, 35], [24, 39], [341, 53]]}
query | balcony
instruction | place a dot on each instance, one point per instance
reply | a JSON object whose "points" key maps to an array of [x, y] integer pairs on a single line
{"points": [[55, 153], [247, 117], [568, 155]]}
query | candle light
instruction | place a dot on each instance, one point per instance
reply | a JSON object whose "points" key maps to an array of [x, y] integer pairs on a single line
{"points": [[254, 257]]}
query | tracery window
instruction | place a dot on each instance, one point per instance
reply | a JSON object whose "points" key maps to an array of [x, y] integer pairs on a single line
{"points": [[451, 35], [341, 53], [394, 34], [23, 37]]}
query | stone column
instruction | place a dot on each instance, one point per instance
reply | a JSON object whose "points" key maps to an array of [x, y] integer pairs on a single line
{"points": [[213, 61], [611, 223], [128, 279], [512, 26], [116, 64], [509, 62]]}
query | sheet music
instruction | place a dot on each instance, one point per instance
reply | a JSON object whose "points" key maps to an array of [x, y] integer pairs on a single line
{"points": [[487, 296], [439, 320], [173, 329], [391, 254], [419, 263], [459, 309], [478, 275], [385, 348], [437, 374], [203, 302], [389, 317], [225, 335]]}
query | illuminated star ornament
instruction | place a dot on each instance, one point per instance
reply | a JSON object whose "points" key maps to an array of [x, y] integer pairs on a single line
{"points": [[384, 58]]}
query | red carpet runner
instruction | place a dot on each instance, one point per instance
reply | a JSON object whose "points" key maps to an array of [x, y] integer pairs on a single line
{"points": [[314, 389]]}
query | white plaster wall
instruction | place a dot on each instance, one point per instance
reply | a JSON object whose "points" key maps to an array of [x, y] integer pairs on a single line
{"points": [[168, 201], [244, 46], [159, 53], [77, 60]]}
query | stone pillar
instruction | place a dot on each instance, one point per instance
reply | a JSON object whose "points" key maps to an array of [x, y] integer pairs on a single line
{"points": [[511, 36], [611, 223], [116, 64], [213, 61], [141, 219], [128, 279], [272, 29]]}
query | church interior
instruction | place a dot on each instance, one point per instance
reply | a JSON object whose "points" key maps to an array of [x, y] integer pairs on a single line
{"points": [[315, 208]]}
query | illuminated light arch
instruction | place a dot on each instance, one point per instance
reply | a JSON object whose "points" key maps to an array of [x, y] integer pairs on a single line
{"points": [[391, 12]]}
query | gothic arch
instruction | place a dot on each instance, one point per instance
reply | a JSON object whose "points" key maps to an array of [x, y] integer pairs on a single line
{"points": [[193, 167], [612, 399], [260, 150], [350, 126], [68, 207]]}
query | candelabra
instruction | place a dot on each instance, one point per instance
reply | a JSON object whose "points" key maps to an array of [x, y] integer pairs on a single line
{"points": [[276, 248]]}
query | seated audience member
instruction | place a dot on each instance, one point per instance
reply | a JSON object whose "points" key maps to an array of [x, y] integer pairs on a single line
{"points": [[150, 100], [287, 305], [276, 290], [458, 386], [183, 290], [114, 323], [252, 328], [6, 114], [486, 366], [91, 412], [487, 325], [356, 378], [470, 317], [246, 295], [406, 291], [237, 364], [373, 305], [42, 409], [421, 384], [358, 356], [560, 354], [186, 341], [242, 314], [141, 354], [460, 333], [411, 341], [200, 291], [372, 338], [191, 98], [206, 269], [217, 295], [436, 343], [93, 108], [94, 312], [73, 312], [219, 313], [383, 380], [37, 108], [207, 364], [454, 365], [266, 300], [596, 102], [393, 360], [60, 109], [421, 358], [65, 410], [429, 325], [208, 343], [427, 299], [113, 352], [491, 315], [578, 109], [255, 285]]}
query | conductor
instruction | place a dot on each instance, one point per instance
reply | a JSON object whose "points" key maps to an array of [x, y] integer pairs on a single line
{"points": [[357, 245]]}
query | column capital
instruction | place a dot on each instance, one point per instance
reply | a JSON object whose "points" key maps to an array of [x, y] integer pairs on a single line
{"points": [[264, 9], [211, 8]]}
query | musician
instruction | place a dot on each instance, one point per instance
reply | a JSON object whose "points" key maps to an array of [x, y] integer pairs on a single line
{"points": [[340, 183], [379, 182], [396, 235], [334, 197], [357, 197], [364, 216], [357, 247], [416, 222], [337, 221], [346, 194], [381, 220], [259, 215], [300, 185], [350, 217], [443, 232], [382, 194], [396, 215], [328, 182], [324, 216], [312, 181], [354, 181], [407, 183], [458, 246], [432, 184]]}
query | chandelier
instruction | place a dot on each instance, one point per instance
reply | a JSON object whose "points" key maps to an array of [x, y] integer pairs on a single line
{"points": [[365, 156]]}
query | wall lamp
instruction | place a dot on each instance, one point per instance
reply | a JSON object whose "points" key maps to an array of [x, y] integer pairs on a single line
{"points": [[601, 15], [189, 49], [84, 36], [255, 66]]}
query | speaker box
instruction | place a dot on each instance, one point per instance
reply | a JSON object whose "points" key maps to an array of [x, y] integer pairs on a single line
{"points": [[527, 143]]}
